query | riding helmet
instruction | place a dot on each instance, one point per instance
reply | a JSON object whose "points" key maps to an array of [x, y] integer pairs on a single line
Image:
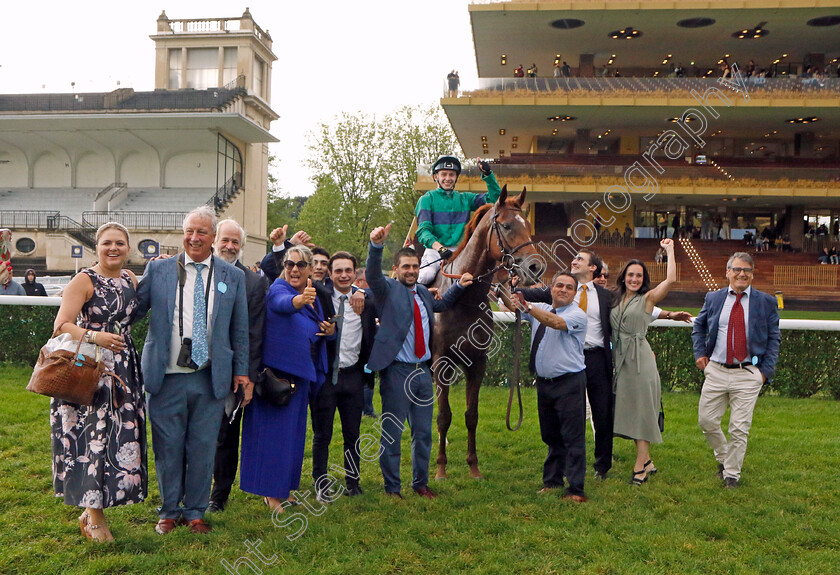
{"points": [[447, 163]]}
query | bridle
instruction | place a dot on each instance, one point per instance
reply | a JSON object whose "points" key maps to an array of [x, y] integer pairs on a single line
{"points": [[508, 260]]}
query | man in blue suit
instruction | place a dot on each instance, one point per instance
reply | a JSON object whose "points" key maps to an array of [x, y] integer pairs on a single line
{"points": [[195, 351], [401, 353], [736, 344]]}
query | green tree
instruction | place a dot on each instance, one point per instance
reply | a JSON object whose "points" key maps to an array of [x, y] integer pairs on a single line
{"points": [[281, 209], [365, 170], [416, 135]]}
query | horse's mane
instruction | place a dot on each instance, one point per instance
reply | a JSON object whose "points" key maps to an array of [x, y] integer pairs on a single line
{"points": [[471, 226]]}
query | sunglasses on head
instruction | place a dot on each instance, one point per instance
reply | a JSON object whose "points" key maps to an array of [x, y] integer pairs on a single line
{"points": [[289, 264]]}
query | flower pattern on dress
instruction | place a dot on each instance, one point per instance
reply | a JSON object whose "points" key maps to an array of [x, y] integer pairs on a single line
{"points": [[99, 453]]}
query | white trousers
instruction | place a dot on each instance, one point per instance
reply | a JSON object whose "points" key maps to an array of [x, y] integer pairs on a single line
{"points": [[431, 260], [739, 389]]}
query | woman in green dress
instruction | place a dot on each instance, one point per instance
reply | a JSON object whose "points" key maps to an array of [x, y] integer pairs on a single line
{"points": [[636, 379]]}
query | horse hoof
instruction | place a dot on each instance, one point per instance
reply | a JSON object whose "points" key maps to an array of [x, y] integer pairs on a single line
{"points": [[440, 478], [478, 477]]}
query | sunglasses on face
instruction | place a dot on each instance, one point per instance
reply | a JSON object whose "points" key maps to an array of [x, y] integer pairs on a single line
{"points": [[737, 271], [290, 265], [605, 276]]}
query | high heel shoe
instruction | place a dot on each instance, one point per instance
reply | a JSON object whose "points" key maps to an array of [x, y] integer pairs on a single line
{"points": [[650, 467], [638, 480]]}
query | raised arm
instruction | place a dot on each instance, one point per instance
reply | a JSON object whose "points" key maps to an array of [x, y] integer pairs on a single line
{"points": [[373, 266], [658, 293]]}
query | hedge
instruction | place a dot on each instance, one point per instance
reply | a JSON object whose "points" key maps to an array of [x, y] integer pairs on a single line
{"points": [[809, 363]]}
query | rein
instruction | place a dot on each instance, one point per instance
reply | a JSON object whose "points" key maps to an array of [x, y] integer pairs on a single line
{"points": [[513, 382]]}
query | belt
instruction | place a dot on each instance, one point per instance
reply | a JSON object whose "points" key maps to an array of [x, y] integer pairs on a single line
{"points": [[351, 369], [557, 379], [592, 349], [734, 365]]}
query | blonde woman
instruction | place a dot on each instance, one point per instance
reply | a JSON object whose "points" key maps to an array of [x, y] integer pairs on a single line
{"points": [[99, 451]]}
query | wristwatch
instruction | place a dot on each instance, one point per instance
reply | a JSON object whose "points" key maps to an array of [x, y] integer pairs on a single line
{"points": [[530, 306]]}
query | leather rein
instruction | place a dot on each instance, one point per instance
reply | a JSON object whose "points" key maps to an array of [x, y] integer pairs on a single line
{"points": [[508, 263]]}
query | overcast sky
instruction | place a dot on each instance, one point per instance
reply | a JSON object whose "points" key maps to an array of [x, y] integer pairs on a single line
{"points": [[333, 55]]}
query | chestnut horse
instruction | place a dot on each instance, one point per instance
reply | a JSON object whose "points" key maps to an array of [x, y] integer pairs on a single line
{"points": [[495, 243]]}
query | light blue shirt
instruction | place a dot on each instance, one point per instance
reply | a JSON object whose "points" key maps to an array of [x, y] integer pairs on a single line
{"points": [[560, 351], [406, 354]]}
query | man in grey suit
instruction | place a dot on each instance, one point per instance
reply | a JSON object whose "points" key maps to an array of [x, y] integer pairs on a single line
{"points": [[401, 353], [196, 349]]}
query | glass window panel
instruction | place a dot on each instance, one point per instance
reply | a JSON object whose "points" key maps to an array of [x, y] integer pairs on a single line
{"points": [[175, 69], [202, 68]]}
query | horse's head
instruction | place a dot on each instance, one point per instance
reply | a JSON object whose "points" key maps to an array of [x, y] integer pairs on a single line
{"points": [[510, 241]]}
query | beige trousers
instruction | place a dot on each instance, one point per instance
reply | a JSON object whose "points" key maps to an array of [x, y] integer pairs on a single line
{"points": [[738, 388]]}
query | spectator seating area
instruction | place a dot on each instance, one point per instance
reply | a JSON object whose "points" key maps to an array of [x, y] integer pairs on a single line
{"points": [[73, 202], [794, 277]]}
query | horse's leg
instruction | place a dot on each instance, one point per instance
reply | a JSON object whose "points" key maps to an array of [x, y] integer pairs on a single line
{"points": [[475, 374], [444, 420]]}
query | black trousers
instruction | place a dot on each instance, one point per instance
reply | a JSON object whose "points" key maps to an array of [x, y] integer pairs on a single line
{"points": [[227, 459], [561, 406], [348, 397], [602, 403]]}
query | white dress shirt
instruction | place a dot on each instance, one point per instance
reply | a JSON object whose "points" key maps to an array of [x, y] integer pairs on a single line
{"points": [[351, 332], [189, 290], [594, 331]]}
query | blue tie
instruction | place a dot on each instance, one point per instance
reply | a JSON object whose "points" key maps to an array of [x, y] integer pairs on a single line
{"points": [[199, 331]]}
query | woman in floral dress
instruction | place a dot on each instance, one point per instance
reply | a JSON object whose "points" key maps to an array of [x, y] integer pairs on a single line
{"points": [[99, 451]]}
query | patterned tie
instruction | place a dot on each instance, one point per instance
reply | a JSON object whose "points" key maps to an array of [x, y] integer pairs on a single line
{"points": [[583, 299], [532, 361], [736, 333], [199, 332], [419, 340], [339, 323]]}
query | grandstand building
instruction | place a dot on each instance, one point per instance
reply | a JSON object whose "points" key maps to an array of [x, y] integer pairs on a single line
{"points": [[637, 129], [70, 162]]}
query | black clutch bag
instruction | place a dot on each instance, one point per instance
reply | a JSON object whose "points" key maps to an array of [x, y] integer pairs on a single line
{"points": [[661, 419], [277, 391]]}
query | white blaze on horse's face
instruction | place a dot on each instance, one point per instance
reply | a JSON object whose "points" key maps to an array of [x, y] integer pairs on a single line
{"points": [[520, 220]]}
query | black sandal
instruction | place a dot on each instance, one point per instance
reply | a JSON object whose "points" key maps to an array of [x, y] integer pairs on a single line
{"points": [[637, 481], [652, 469]]}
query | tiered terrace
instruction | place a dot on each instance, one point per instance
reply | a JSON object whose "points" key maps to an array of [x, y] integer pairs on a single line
{"points": [[806, 285]]}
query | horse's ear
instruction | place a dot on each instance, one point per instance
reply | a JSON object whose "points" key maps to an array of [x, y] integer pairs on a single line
{"points": [[503, 196], [520, 199]]}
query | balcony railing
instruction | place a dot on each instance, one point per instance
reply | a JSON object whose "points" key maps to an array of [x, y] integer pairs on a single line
{"points": [[26, 219], [137, 220], [641, 86], [226, 192], [830, 174]]}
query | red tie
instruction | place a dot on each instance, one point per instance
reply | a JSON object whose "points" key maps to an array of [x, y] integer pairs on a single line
{"points": [[736, 333], [419, 340]]}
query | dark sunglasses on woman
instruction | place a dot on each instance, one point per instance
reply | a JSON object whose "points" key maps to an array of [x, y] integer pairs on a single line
{"points": [[289, 265]]}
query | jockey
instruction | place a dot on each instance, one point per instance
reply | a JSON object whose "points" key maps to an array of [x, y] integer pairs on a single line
{"points": [[443, 214]]}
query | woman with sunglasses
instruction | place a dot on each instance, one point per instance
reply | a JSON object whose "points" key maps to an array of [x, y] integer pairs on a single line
{"points": [[273, 437], [99, 450]]}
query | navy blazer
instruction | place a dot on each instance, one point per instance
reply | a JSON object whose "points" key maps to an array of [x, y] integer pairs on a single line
{"points": [[395, 309], [290, 343], [229, 346], [763, 336]]}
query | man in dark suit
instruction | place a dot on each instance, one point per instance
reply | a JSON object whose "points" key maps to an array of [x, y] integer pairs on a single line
{"points": [[736, 343], [344, 388], [595, 301], [230, 239], [196, 351], [401, 353]]}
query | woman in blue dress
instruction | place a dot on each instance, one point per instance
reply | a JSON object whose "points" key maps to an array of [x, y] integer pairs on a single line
{"points": [[294, 347]]}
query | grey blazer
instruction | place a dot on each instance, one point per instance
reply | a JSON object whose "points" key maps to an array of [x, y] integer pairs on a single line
{"points": [[229, 348]]}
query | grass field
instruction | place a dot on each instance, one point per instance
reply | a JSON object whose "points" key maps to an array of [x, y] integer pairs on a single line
{"points": [[784, 519]]}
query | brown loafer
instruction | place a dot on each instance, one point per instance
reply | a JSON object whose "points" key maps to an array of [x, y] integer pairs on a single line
{"points": [[164, 526], [199, 526], [576, 498], [425, 492]]}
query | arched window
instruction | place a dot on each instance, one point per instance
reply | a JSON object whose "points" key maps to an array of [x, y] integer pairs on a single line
{"points": [[229, 171]]}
